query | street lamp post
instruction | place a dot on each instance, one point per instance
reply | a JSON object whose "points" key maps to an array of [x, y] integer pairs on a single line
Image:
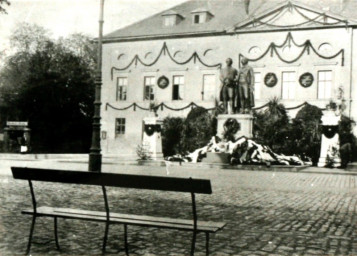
{"points": [[95, 156]]}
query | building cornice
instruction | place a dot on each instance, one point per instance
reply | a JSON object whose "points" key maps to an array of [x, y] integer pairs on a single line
{"points": [[216, 33]]}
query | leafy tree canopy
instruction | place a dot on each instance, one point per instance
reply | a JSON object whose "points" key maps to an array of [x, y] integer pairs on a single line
{"points": [[50, 83]]}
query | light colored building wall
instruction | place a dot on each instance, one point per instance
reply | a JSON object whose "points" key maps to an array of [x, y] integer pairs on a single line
{"points": [[214, 50]]}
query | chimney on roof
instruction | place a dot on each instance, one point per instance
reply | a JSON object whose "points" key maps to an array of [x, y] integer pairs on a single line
{"points": [[246, 5]]}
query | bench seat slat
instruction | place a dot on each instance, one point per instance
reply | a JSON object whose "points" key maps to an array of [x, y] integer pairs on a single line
{"points": [[140, 220], [162, 183]]}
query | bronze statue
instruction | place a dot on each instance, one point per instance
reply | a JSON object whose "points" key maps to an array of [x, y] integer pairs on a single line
{"points": [[245, 95], [228, 79]]}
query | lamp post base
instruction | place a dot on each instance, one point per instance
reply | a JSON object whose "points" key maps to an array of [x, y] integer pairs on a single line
{"points": [[95, 162]]}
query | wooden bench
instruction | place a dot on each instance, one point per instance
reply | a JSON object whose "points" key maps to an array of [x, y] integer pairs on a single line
{"points": [[192, 186]]}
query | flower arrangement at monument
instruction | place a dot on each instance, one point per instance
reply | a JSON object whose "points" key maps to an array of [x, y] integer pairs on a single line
{"points": [[239, 150]]}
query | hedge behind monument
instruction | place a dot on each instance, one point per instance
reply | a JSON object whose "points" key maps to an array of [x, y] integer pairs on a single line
{"points": [[171, 132], [183, 135], [199, 127]]}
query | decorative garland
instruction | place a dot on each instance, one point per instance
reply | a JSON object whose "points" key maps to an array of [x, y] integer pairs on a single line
{"points": [[289, 39], [193, 105], [164, 50], [308, 19]]}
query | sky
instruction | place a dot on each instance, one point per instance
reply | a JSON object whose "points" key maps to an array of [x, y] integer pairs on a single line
{"points": [[64, 17]]}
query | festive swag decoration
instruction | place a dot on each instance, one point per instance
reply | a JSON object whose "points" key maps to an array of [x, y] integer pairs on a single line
{"points": [[320, 19], [150, 129], [306, 47], [191, 105], [164, 51]]}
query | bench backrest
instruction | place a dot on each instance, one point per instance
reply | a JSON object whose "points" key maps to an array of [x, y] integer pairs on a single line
{"points": [[199, 186]]}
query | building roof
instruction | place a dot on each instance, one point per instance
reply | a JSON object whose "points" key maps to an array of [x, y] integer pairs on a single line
{"points": [[228, 14]]}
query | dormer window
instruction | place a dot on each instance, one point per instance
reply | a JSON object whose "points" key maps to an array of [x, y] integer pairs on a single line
{"points": [[197, 18], [171, 18], [201, 16]]}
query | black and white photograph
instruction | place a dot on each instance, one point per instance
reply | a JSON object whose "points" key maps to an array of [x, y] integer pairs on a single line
{"points": [[178, 127]]}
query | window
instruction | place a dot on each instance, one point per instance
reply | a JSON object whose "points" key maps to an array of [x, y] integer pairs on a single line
{"points": [[196, 19], [170, 21], [178, 84], [257, 85], [119, 126], [149, 82], [324, 84], [288, 86], [209, 87], [122, 83]]}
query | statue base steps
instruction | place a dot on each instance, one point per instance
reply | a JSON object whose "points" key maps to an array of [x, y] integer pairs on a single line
{"points": [[216, 158]]}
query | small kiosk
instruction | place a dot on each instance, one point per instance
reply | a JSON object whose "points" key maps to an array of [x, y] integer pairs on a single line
{"points": [[16, 137]]}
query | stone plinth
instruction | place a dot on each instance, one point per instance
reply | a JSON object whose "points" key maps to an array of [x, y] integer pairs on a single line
{"points": [[152, 136], [245, 121], [330, 140]]}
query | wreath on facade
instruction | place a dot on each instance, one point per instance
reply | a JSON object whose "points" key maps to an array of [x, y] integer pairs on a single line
{"points": [[329, 131], [231, 127]]}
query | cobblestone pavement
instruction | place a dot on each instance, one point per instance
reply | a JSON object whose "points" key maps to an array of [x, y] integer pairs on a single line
{"points": [[267, 213]]}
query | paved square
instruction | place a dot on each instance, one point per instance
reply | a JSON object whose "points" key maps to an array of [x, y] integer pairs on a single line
{"points": [[268, 213]]}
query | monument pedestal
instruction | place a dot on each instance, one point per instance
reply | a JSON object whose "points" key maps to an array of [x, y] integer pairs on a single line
{"points": [[152, 137], [245, 121], [330, 140]]}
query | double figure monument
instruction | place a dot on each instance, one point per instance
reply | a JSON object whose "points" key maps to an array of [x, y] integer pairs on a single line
{"points": [[237, 94]]}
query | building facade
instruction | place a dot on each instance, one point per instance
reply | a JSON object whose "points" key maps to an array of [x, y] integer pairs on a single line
{"points": [[301, 51]]}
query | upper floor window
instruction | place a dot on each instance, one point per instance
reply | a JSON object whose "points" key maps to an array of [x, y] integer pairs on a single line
{"points": [[324, 84], [149, 82], [119, 126], [122, 83], [288, 85], [178, 88]]}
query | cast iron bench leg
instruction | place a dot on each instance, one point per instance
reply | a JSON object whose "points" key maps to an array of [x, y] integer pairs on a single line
{"points": [[193, 243], [56, 235], [31, 233], [207, 243], [126, 239], [105, 236]]}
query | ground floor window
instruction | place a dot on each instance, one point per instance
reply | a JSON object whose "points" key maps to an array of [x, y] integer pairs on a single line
{"points": [[178, 87], [119, 126], [324, 84], [209, 87], [149, 82], [288, 85], [122, 83]]}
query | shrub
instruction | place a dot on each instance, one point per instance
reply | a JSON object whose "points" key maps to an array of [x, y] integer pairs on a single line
{"points": [[271, 126], [306, 132], [348, 141], [143, 152], [198, 129], [172, 132]]}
